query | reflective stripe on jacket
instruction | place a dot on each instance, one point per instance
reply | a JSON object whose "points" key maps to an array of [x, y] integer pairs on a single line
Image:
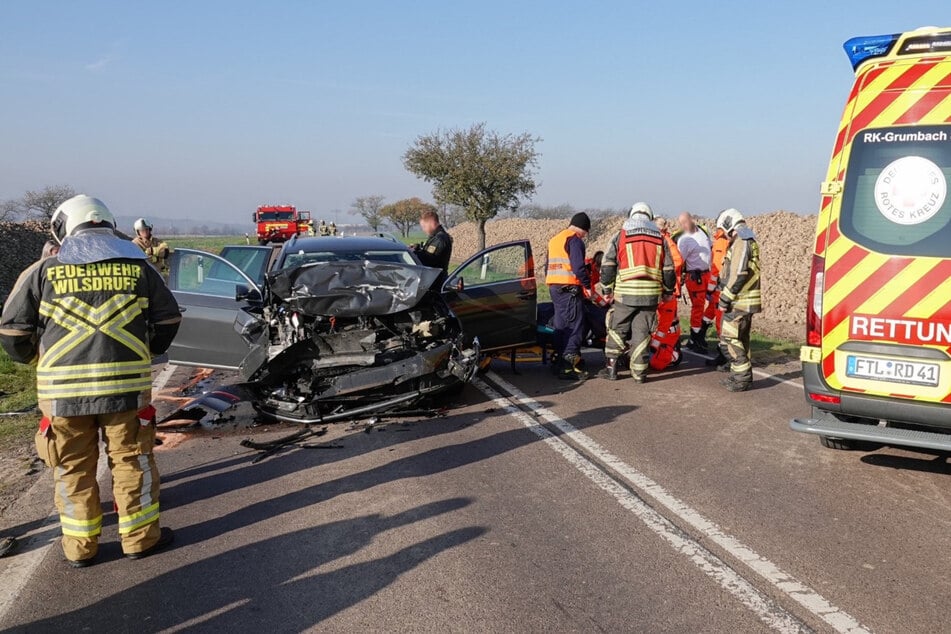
{"points": [[559, 263], [740, 274], [638, 264]]}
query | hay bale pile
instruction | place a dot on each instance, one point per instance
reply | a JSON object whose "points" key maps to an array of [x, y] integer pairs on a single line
{"points": [[20, 245]]}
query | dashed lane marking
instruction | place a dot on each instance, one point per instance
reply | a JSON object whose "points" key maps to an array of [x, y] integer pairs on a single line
{"points": [[770, 613], [759, 373]]}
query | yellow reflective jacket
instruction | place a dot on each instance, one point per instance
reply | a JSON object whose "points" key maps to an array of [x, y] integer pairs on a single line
{"points": [[87, 327], [740, 274]]}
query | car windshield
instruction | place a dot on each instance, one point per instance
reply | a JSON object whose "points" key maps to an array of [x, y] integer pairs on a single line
{"points": [[275, 215], [896, 191], [300, 258]]}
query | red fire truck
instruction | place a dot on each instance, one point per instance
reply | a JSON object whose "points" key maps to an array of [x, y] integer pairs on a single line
{"points": [[278, 223]]}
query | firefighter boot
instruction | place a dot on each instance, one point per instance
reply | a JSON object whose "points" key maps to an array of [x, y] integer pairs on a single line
{"points": [[609, 371], [719, 362], [571, 368]]}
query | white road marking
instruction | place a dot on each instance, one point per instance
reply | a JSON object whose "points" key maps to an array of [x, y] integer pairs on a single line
{"points": [[759, 373], [761, 605], [802, 594], [33, 546]]}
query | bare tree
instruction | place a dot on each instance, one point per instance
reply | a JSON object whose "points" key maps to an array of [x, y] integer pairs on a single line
{"points": [[369, 208], [450, 215], [10, 210], [42, 203]]}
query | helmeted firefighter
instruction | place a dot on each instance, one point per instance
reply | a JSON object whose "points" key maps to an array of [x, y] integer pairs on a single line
{"points": [[637, 270], [156, 251], [568, 279], [90, 317], [711, 314], [665, 341], [740, 298]]}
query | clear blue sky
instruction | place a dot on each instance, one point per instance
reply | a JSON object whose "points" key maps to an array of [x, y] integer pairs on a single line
{"points": [[211, 108]]}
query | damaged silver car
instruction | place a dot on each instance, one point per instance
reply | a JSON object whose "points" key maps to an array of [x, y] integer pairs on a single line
{"points": [[332, 329]]}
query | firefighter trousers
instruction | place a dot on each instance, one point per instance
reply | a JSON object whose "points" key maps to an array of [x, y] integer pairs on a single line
{"points": [[735, 345], [697, 290], [635, 324], [71, 448]]}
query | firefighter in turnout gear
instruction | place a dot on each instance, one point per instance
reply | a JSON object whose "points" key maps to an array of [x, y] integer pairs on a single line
{"points": [[740, 298], [156, 251], [90, 318], [568, 278], [638, 269]]}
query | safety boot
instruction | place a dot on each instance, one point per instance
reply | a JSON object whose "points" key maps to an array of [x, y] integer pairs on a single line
{"points": [[571, 369], [609, 371], [703, 332], [718, 361], [699, 342], [732, 385]]}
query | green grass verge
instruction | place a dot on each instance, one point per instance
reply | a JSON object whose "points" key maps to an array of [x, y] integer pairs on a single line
{"points": [[211, 244], [18, 388]]}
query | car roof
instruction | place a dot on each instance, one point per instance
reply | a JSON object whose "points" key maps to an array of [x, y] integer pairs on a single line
{"points": [[350, 243]]}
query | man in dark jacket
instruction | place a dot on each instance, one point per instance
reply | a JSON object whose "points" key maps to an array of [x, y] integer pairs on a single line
{"points": [[437, 250]]}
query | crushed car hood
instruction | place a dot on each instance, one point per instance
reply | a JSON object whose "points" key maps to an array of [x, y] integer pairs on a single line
{"points": [[353, 289]]}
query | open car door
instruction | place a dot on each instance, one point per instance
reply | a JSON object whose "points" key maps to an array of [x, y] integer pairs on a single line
{"points": [[206, 287], [494, 295]]}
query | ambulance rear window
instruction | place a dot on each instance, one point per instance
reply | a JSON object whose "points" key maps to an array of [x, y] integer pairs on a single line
{"points": [[896, 192]]}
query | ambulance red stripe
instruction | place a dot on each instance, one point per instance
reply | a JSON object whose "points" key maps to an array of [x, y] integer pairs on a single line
{"points": [[888, 97]]}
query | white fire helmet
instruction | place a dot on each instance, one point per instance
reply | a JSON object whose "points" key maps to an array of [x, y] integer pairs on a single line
{"points": [[80, 212], [642, 208], [728, 219], [141, 224]]}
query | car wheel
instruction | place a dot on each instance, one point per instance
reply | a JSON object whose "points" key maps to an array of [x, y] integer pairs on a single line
{"points": [[846, 444]]}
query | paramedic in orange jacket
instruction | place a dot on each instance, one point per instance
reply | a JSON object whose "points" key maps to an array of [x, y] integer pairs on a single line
{"points": [[721, 243], [665, 341]]}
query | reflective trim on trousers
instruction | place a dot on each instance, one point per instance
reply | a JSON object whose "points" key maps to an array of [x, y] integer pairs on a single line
{"points": [[135, 521], [80, 528]]}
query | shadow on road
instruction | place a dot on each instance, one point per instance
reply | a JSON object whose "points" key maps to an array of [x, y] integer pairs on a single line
{"points": [[268, 585], [937, 463]]}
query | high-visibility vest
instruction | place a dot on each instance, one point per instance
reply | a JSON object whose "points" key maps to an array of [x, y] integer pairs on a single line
{"points": [[640, 259], [721, 243], [559, 264]]}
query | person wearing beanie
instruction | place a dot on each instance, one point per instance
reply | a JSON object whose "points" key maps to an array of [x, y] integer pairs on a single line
{"points": [[568, 278]]}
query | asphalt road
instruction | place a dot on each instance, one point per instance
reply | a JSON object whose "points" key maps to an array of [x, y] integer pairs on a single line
{"points": [[532, 506]]}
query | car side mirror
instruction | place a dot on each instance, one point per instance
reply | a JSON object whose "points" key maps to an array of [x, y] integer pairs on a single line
{"points": [[454, 284], [244, 294]]}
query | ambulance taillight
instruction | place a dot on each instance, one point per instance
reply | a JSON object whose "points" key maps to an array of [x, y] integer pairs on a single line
{"points": [[814, 311]]}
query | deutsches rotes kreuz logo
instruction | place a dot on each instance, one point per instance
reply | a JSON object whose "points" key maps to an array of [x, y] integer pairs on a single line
{"points": [[911, 190]]}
